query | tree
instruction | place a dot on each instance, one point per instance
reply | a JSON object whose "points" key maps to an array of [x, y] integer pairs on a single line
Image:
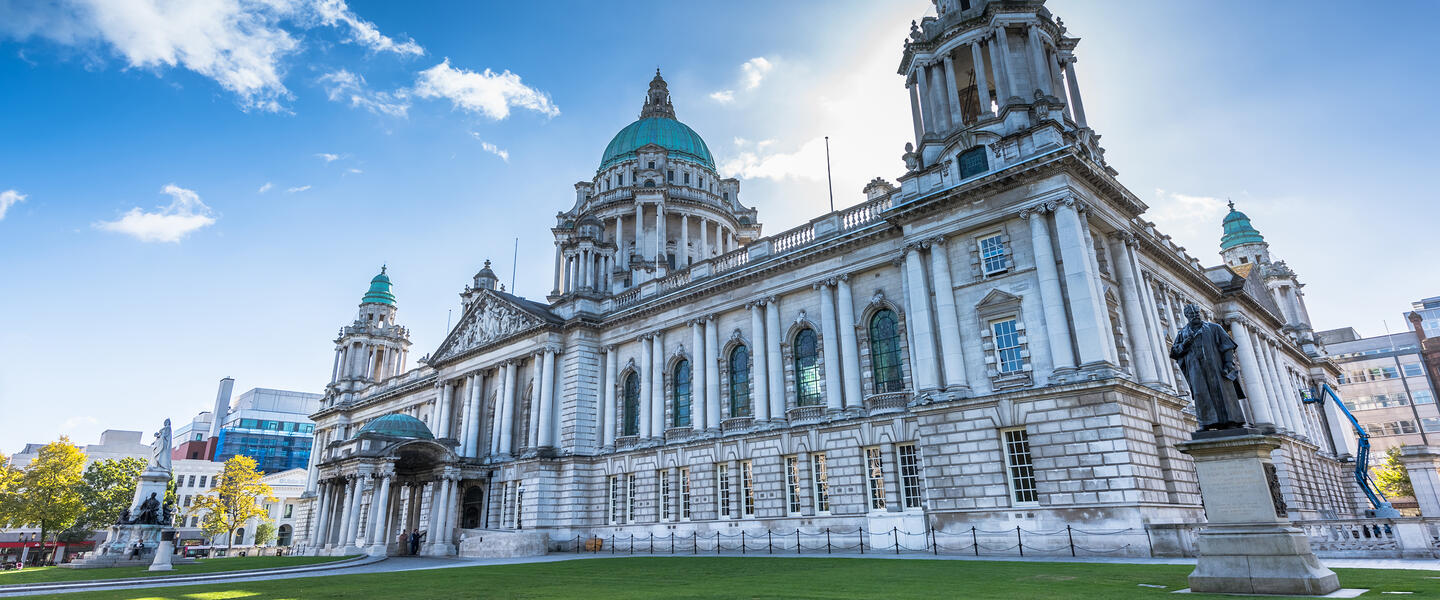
{"points": [[235, 500], [264, 533], [48, 493], [9, 485], [107, 488], [1392, 477]]}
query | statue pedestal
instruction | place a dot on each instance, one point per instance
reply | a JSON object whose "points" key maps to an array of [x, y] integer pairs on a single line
{"points": [[1249, 547], [152, 481]]}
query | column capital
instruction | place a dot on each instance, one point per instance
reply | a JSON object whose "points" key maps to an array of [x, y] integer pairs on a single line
{"points": [[916, 246], [554, 348], [843, 277], [938, 240], [1039, 208]]}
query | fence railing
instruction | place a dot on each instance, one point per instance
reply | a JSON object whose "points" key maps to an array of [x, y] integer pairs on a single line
{"points": [[973, 541]]}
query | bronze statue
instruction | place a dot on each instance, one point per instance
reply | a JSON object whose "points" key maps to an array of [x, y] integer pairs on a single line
{"points": [[149, 511], [1207, 357]]}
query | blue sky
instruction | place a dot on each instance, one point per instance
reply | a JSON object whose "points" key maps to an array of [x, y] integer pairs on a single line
{"points": [[192, 194]]}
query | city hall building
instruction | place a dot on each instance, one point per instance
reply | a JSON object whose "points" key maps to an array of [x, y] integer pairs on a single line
{"points": [[984, 345]]}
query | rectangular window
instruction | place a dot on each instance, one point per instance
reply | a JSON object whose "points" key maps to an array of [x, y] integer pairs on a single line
{"points": [[192, 481], [670, 176], [687, 179], [792, 485], [1431, 424], [1022, 470], [722, 485], [519, 502], [1408, 427], [202, 481], [820, 483], [1423, 397], [875, 478], [1413, 370], [187, 501], [617, 502], [289, 511], [993, 259], [664, 479], [1007, 346], [909, 476], [747, 488], [685, 494], [630, 498]]}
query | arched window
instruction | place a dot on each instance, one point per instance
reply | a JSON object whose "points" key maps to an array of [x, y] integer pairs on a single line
{"points": [[632, 405], [885, 352], [284, 536], [680, 410], [807, 369], [740, 382]]}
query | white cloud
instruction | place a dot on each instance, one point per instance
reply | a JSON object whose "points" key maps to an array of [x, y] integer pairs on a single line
{"points": [[488, 93], [1186, 218], [240, 44], [752, 161], [296, 189], [336, 13], [344, 85], [184, 215], [328, 157], [752, 72], [354, 170], [9, 198], [266, 187], [492, 148]]}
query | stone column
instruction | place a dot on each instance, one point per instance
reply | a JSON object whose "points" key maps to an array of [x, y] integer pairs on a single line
{"points": [[1157, 330], [834, 394], [532, 428], [952, 91], [1256, 399], [773, 358], [849, 345], [1089, 333], [1285, 408], [915, 112], [379, 532], [704, 239], [347, 497], [452, 509], [556, 290], [623, 255], [507, 425], [1057, 327], [683, 260], [982, 85], [760, 372], [478, 398], [927, 375], [1143, 355], [647, 351], [1423, 464], [465, 417], [657, 379], [712, 372], [1036, 47], [951, 349], [436, 526], [1010, 83], [547, 399], [1272, 393], [320, 531], [1102, 307], [1076, 106], [335, 368], [927, 103], [659, 233], [497, 411], [352, 528], [700, 402], [607, 412], [640, 248]]}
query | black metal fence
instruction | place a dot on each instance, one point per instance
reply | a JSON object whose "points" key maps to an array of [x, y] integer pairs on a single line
{"points": [[1019, 541]]}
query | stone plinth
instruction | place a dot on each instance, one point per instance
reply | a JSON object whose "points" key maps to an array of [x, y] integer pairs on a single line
{"points": [[487, 543], [1422, 462], [1248, 546]]}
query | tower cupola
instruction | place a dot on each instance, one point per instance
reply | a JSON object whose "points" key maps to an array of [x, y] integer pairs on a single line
{"points": [[486, 278], [1241, 243], [379, 291], [657, 100]]}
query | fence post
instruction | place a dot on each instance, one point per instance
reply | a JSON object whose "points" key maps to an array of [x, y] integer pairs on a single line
{"points": [[1072, 540], [934, 539], [1149, 544], [895, 533], [974, 541], [862, 539], [1019, 541], [612, 543], [717, 542], [672, 542], [797, 540], [577, 544], [769, 542], [742, 541], [695, 542], [827, 540], [652, 542]]}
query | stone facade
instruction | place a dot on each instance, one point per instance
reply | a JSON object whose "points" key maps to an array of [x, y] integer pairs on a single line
{"points": [[984, 345]]}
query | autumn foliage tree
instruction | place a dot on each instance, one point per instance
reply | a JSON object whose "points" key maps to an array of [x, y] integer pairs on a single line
{"points": [[234, 500], [1392, 477], [47, 493], [107, 489]]}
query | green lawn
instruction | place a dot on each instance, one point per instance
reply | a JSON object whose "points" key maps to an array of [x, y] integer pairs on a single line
{"points": [[768, 577], [207, 565]]}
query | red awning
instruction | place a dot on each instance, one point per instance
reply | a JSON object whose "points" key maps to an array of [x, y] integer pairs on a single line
{"points": [[36, 544]]}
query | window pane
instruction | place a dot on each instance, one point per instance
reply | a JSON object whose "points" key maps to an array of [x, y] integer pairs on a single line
{"points": [[1413, 370], [1022, 471], [820, 482], [875, 477], [992, 255], [885, 352], [681, 410], [807, 369], [792, 484], [1007, 347], [632, 405], [740, 382], [722, 481], [909, 476]]}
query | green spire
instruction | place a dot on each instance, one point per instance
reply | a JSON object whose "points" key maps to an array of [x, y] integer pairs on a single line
{"points": [[379, 292], [1238, 230]]}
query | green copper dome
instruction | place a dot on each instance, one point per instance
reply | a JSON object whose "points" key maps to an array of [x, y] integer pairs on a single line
{"points": [[397, 425], [682, 142], [1238, 230], [379, 290]]}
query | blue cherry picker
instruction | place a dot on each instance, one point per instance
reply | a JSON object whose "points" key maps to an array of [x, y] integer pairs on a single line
{"points": [[1383, 509]]}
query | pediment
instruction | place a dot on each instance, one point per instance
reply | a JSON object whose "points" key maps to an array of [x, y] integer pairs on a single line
{"points": [[998, 297], [493, 317]]}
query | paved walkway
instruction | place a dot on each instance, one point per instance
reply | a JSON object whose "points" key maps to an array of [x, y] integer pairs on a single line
{"points": [[410, 563]]}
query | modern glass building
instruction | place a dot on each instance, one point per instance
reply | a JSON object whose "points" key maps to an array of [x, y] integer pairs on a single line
{"points": [[271, 426]]}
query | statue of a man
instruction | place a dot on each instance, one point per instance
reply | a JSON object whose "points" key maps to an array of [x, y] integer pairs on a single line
{"points": [[1207, 357], [161, 449], [149, 513]]}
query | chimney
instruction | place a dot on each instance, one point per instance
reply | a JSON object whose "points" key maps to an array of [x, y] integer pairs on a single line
{"points": [[1417, 321], [222, 406]]}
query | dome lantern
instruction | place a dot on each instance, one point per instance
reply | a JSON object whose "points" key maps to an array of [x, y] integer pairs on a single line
{"points": [[379, 292]]}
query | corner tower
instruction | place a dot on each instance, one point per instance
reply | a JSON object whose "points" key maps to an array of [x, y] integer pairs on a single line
{"points": [[374, 347], [656, 206], [1247, 253]]}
